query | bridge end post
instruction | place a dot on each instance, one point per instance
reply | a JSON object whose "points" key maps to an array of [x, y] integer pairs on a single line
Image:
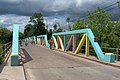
{"points": [[15, 49], [14, 60], [109, 57]]}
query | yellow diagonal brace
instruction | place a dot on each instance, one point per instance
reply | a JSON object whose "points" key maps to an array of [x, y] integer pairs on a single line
{"points": [[80, 44], [87, 47], [58, 42], [55, 42], [38, 41], [44, 43], [61, 43]]}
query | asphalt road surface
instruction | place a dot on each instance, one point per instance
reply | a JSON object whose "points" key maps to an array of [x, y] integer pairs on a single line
{"points": [[44, 64]]}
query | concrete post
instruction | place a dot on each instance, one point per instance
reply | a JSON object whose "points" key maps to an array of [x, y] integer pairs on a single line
{"points": [[15, 49]]}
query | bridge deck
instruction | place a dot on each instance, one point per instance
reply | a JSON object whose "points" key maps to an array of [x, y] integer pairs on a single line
{"points": [[45, 64]]}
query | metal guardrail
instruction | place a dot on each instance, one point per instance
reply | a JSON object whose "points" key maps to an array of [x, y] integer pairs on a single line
{"points": [[115, 51], [4, 51]]}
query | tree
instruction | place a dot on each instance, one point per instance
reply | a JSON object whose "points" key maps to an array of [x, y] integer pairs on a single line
{"points": [[39, 26], [55, 28], [79, 24], [59, 30], [68, 21], [28, 31], [114, 37], [49, 34], [36, 26], [5, 35], [106, 31], [100, 23], [21, 35]]}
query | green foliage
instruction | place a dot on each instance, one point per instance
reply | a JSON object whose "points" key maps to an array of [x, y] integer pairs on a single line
{"points": [[28, 31], [21, 35], [59, 30], [68, 21], [79, 24], [5, 35], [106, 31], [56, 29], [49, 34], [1, 55], [36, 26], [100, 23]]}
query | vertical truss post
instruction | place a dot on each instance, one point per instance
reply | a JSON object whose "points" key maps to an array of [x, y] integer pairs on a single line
{"points": [[80, 44], [42, 41], [60, 43], [74, 42], [38, 41], [64, 42], [69, 43], [35, 40], [87, 47]]}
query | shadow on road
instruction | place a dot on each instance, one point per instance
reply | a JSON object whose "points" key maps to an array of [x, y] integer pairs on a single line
{"points": [[27, 56]]}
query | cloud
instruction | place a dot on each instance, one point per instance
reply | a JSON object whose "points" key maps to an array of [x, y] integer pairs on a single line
{"points": [[59, 20], [19, 11], [8, 20], [51, 7]]}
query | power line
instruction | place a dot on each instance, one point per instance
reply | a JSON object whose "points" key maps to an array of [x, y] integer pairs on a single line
{"points": [[110, 5], [104, 9], [98, 12], [112, 8]]}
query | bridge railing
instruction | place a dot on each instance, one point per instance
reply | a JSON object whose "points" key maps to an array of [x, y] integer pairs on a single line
{"points": [[87, 38], [116, 51], [60, 42], [5, 52], [42, 40]]}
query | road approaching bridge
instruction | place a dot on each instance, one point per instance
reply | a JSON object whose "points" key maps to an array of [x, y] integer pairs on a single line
{"points": [[44, 64]]}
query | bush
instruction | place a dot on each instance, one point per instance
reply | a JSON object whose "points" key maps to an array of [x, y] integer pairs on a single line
{"points": [[1, 55]]}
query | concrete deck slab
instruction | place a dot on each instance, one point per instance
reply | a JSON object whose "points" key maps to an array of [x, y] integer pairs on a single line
{"points": [[9, 72], [12, 73], [46, 64]]}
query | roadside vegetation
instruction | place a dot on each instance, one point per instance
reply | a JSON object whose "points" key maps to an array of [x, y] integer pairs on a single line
{"points": [[100, 21]]}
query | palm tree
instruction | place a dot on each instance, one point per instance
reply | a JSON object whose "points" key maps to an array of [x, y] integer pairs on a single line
{"points": [[55, 28], [118, 1], [68, 21]]}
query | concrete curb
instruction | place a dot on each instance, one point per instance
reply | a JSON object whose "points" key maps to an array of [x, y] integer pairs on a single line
{"points": [[27, 77], [88, 58], [102, 62]]}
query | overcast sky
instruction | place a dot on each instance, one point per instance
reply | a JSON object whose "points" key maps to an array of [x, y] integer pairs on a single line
{"points": [[19, 11]]}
